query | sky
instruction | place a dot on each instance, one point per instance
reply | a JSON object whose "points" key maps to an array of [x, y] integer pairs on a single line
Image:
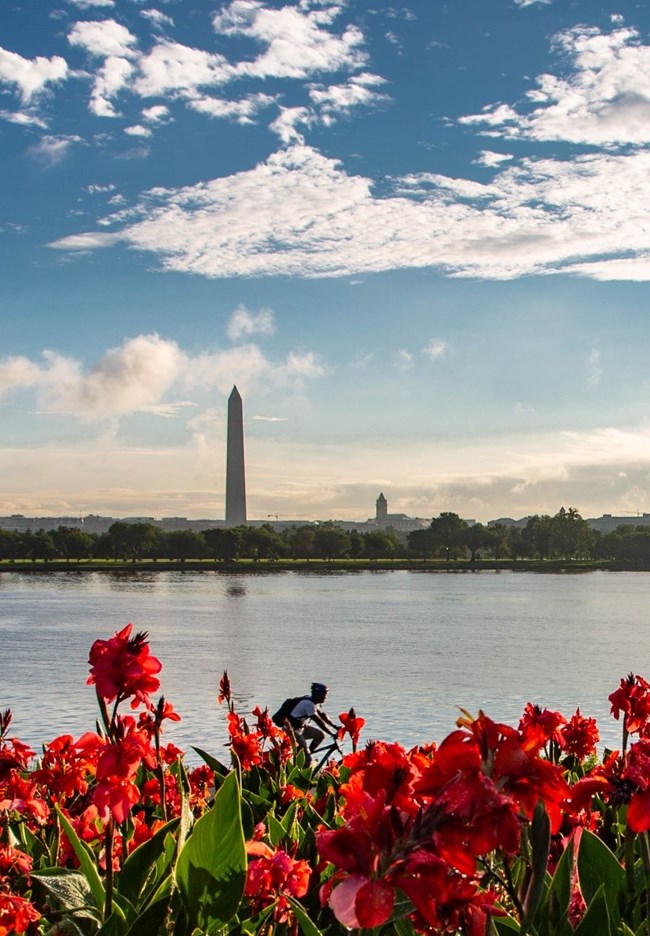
{"points": [[416, 237]]}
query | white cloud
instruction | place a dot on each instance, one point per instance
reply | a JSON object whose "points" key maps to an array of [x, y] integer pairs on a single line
{"points": [[90, 4], [300, 214], [52, 150], [270, 419], [31, 76], [527, 3], [138, 375], [244, 322], [243, 111], [173, 67], [594, 368], [403, 359], [358, 91], [103, 38], [137, 130], [297, 42], [605, 101], [157, 19], [157, 114], [435, 349], [491, 159]]}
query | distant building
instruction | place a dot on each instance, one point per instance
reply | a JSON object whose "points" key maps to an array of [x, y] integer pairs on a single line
{"points": [[235, 470], [400, 522]]}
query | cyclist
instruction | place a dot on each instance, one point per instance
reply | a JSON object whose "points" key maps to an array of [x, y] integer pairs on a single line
{"points": [[309, 722]]}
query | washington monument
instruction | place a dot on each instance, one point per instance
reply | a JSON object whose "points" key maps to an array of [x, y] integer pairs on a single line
{"points": [[235, 473]]}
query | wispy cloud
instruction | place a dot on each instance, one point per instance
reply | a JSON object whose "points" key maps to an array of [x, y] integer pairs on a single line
{"points": [[594, 368], [436, 348], [244, 322]]}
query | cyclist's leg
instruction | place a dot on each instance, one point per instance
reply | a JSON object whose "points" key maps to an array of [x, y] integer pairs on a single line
{"points": [[314, 735]]}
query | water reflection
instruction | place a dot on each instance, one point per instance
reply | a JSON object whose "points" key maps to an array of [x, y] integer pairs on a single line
{"points": [[407, 649]]}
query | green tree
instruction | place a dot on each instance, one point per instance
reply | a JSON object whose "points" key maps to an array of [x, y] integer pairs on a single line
{"points": [[475, 537], [223, 544], [378, 545], [72, 543], [185, 544], [301, 542], [570, 534], [446, 529], [421, 543], [331, 542]]}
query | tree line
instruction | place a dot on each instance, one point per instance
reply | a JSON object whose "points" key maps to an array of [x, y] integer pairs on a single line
{"points": [[566, 535]]}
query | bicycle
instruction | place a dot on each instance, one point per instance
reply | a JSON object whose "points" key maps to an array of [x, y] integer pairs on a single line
{"points": [[326, 750]]}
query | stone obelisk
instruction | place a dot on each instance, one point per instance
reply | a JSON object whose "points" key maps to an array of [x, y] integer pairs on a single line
{"points": [[235, 473]]}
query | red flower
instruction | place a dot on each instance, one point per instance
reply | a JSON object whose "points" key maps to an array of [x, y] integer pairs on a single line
{"points": [[16, 914], [224, 689], [14, 861], [123, 666], [580, 736], [633, 699], [116, 791], [539, 726], [20, 795], [274, 876], [352, 724]]}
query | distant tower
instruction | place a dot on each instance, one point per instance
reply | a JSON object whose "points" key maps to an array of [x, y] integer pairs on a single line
{"points": [[235, 474], [382, 509]]}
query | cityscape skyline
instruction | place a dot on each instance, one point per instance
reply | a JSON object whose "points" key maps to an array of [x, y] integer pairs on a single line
{"points": [[414, 236]]}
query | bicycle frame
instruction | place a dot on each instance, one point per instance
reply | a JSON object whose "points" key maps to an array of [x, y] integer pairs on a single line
{"points": [[326, 750]]}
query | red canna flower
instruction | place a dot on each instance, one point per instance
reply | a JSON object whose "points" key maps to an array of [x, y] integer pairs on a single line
{"points": [[580, 736], [14, 861], [539, 726], [224, 689], [352, 725], [272, 877], [21, 796], [632, 698], [116, 791], [16, 914], [123, 666]]}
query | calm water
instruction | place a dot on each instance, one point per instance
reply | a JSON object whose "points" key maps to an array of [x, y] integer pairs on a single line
{"points": [[406, 649]]}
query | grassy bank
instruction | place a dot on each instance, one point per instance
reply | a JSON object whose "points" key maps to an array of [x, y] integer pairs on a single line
{"points": [[260, 566]]}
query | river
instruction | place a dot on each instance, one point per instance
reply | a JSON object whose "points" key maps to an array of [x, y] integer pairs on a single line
{"points": [[407, 649]]}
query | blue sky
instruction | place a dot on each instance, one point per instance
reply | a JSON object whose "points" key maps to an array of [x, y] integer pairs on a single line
{"points": [[416, 238]]}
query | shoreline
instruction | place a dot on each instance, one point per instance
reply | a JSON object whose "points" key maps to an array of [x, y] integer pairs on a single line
{"points": [[317, 566]]}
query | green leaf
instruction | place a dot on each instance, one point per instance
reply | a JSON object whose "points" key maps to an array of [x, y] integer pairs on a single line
{"points": [[86, 861], [561, 886], [150, 922], [598, 867], [307, 927], [540, 838], [276, 830], [115, 925], [71, 889], [211, 869], [596, 920], [140, 866], [212, 762]]}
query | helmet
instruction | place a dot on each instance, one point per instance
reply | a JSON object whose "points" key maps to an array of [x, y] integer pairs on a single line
{"points": [[319, 688]]}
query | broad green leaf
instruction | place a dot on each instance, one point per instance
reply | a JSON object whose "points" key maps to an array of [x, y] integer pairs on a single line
{"points": [[307, 927], [598, 867], [252, 926], [71, 889], [211, 869], [115, 925], [276, 830], [150, 922], [212, 762], [140, 866], [561, 886], [596, 921], [86, 861]]}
